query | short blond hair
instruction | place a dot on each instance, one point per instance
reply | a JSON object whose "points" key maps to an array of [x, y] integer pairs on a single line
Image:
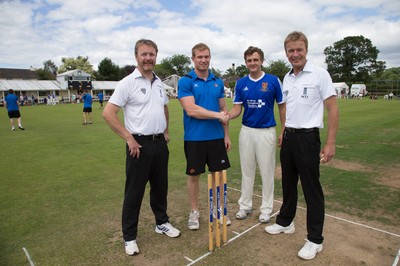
{"points": [[296, 36], [200, 47]]}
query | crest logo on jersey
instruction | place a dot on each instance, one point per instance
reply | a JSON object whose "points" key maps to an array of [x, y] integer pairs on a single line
{"points": [[264, 86], [304, 93], [215, 85], [143, 90]]}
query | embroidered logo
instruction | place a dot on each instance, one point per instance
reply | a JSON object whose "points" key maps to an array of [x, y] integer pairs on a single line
{"points": [[264, 86], [305, 96], [143, 90], [216, 85]]}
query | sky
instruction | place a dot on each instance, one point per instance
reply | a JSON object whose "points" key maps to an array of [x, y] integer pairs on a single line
{"points": [[32, 32]]}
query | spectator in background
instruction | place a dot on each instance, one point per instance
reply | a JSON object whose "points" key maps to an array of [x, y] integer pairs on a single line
{"points": [[21, 100], [11, 103], [33, 99], [87, 107], [100, 95]]}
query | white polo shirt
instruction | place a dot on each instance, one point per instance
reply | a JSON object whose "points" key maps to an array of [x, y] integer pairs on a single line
{"points": [[143, 103], [304, 95]]}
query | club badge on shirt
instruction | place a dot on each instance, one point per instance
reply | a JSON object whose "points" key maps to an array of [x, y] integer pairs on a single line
{"points": [[305, 96], [264, 87]]}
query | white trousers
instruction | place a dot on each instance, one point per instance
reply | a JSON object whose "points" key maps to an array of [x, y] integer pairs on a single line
{"points": [[257, 146]]}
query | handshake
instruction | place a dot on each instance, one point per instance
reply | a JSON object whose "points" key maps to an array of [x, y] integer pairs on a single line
{"points": [[223, 117]]}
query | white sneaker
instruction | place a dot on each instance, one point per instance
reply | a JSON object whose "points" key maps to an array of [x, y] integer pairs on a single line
{"points": [[264, 218], [277, 229], [193, 222], [228, 220], [309, 250], [242, 214], [131, 248], [167, 229]]}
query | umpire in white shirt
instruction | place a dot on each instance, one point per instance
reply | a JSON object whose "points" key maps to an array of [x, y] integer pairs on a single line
{"points": [[142, 97]]}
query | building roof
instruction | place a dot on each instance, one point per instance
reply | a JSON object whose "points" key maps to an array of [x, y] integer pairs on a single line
{"points": [[30, 85], [11, 73], [74, 73], [104, 85], [340, 85], [54, 85]]}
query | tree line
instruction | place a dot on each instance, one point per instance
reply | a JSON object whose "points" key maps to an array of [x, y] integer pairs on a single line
{"points": [[353, 59]]}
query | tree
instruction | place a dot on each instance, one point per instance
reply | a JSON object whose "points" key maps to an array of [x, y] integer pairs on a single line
{"points": [[44, 75], [278, 68], [239, 71], [242, 71], [49, 66], [230, 72], [163, 70], [70, 63], [389, 81], [353, 59], [176, 64], [48, 72], [127, 70], [107, 70], [217, 73], [391, 74]]}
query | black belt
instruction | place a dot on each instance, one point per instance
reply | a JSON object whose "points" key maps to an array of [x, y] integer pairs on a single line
{"points": [[300, 130], [149, 137]]}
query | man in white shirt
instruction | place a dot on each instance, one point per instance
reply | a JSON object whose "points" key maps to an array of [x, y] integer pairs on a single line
{"points": [[307, 89], [144, 101]]}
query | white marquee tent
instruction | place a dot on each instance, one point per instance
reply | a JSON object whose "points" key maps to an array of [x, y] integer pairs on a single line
{"points": [[341, 87]]}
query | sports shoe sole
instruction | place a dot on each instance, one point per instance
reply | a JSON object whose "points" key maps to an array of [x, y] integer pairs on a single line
{"points": [[288, 231], [311, 257], [193, 227], [134, 253]]}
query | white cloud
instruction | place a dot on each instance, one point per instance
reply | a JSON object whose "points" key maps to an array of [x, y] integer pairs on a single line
{"points": [[32, 32]]}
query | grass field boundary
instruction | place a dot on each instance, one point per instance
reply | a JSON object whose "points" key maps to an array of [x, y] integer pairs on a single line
{"points": [[28, 256], [192, 262], [396, 260]]}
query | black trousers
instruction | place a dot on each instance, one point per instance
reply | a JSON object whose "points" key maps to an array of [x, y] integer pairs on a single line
{"points": [[151, 166], [299, 157]]}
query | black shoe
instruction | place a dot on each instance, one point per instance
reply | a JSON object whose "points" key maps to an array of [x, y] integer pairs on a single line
{"points": [[21, 128]]}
